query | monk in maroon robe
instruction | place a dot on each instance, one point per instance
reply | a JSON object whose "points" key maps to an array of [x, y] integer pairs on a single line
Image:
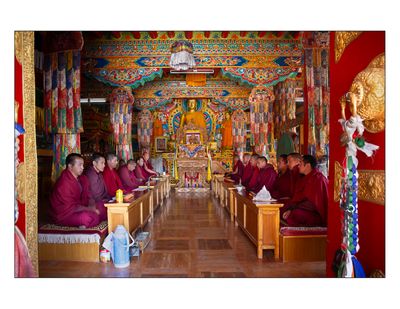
{"points": [[266, 175], [140, 172], [148, 167], [294, 160], [238, 169], [70, 200], [127, 176], [254, 179], [96, 180], [111, 177], [248, 169], [308, 206], [282, 186]]}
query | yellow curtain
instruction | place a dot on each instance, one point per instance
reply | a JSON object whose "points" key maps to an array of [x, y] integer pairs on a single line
{"points": [[195, 80]]}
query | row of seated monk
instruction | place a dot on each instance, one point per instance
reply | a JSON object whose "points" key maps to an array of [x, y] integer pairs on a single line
{"points": [[299, 185], [79, 194]]}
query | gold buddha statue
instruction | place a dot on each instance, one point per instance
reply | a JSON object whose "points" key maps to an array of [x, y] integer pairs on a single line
{"points": [[192, 116]]}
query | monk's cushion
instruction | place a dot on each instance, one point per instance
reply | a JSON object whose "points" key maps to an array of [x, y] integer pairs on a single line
{"points": [[58, 234], [301, 231]]}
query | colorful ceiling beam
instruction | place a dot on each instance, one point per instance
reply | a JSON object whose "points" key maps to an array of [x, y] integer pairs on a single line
{"points": [[220, 47], [260, 76], [195, 35], [126, 77]]}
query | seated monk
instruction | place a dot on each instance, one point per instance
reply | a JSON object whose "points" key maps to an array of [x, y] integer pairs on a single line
{"points": [[294, 160], [140, 172], [266, 175], [254, 174], [147, 165], [250, 162], [308, 206], [70, 199], [110, 175], [96, 180], [281, 189], [238, 169], [127, 176]]}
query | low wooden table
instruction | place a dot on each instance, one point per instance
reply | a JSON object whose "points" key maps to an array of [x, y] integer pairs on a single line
{"points": [[259, 221], [141, 209], [228, 201], [133, 214]]}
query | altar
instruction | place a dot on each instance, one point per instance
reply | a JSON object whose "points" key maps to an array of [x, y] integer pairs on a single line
{"points": [[192, 160]]}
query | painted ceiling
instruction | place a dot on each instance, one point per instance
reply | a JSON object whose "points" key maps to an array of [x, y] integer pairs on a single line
{"points": [[242, 60]]}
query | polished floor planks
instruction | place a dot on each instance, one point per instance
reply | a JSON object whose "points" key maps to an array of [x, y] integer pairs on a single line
{"points": [[192, 236]]}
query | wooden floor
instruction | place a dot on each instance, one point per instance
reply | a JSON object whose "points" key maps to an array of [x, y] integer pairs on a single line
{"points": [[192, 236]]}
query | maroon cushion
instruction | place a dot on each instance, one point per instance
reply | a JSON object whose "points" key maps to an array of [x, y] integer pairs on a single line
{"points": [[300, 231], [100, 229]]}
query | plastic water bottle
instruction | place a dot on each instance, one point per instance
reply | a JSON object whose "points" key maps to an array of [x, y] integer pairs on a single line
{"points": [[121, 247]]}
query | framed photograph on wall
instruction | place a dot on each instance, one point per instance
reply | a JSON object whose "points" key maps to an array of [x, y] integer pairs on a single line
{"points": [[161, 144]]}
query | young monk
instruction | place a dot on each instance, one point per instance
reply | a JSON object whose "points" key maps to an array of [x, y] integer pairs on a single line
{"points": [[266, 176], [140, 172], [294, 160], [250, 164], [282, 186], [70, 200], [308, 206], [238, 169], [96, 180], [110, 175], [147, 165], [127, 175]]}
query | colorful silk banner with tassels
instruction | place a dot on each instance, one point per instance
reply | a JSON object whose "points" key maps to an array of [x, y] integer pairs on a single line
{"points": [[318, 94], [121, 120], [261, 99], [239, 121], [63, 144], [62, 107], [285, 104], [62, 92], [145, 128]]}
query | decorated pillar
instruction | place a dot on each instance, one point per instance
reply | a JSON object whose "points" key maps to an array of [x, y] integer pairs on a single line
{"points": [[121, 120], [62, 107], [284, 105], [145, 129], [261, 118], [25, 203]]}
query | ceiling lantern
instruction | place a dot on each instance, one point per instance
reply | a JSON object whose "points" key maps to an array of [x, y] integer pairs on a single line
{"points": [[182, 57]]}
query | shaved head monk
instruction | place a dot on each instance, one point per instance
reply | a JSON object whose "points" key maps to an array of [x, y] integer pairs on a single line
{"points": [[70, 200], [110, 175], [95, 176], [250, 170], [281, 189], [148, 168], [266, 175], [127, 175], [140, 173], [308, 206], [238, 169]]}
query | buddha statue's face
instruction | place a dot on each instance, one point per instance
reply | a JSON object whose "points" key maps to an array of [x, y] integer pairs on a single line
{"points": [[192, 104], [227, 116]]}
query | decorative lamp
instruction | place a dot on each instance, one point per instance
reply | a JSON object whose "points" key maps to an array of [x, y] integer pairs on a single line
{"points": [[182, 56]]}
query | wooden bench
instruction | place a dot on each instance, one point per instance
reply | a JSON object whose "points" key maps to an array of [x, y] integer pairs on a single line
{"points": [[62, 243], [302, 244]]}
